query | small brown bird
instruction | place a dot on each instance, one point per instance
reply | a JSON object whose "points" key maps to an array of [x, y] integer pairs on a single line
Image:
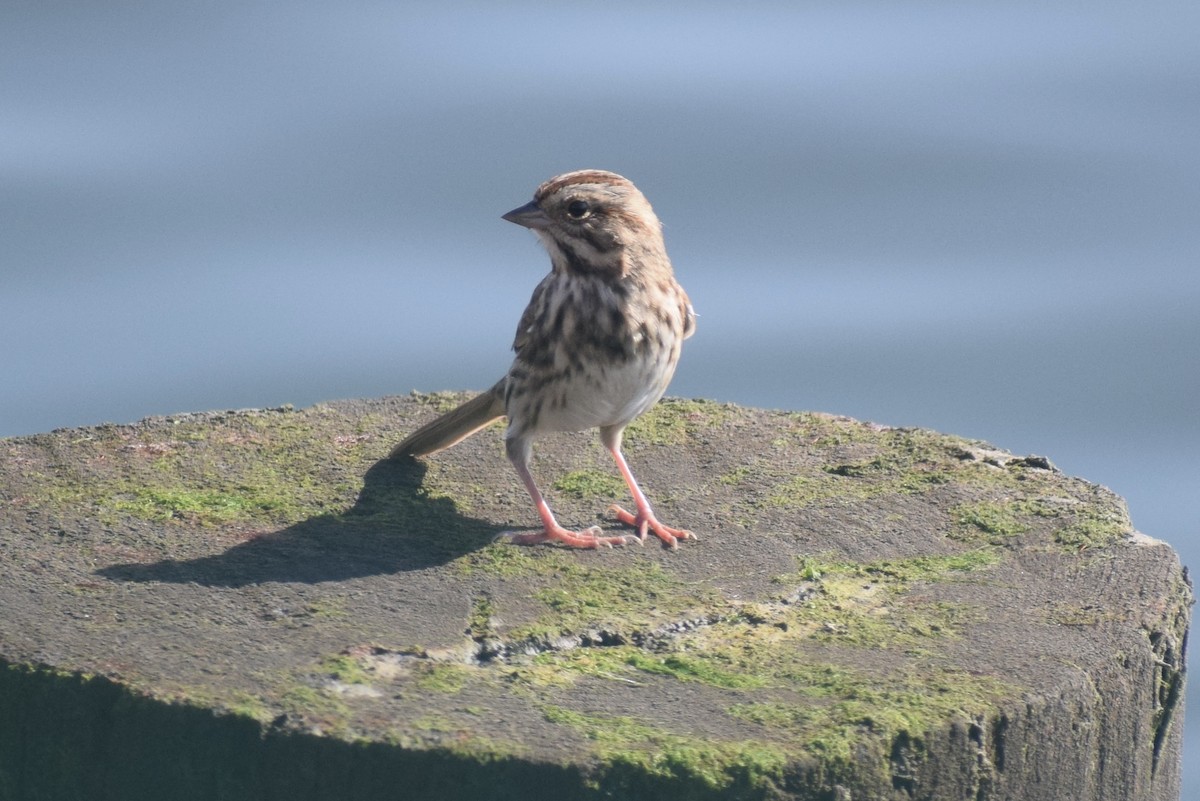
{"points": [[596, 346]]}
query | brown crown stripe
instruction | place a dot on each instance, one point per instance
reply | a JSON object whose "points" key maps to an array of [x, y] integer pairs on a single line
{"points": [[557, 183]]}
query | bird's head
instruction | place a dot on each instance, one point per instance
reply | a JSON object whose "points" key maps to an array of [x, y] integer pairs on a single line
{"points": [[592, 221]]}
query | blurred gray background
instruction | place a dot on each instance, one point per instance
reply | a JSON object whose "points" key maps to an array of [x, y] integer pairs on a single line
{"points": [[977, 218]]}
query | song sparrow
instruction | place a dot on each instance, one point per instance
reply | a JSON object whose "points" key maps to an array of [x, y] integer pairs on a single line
{"points": [[596, 346]]}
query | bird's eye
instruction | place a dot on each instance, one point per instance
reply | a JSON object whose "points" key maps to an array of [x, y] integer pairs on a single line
{"points": [[577, 209]]}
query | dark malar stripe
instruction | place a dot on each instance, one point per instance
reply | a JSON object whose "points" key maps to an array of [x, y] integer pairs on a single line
{"points": [[574, 262]]}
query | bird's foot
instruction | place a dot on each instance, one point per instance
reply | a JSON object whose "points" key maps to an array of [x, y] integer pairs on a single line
{"points": [[645, 521], [592, 537]]}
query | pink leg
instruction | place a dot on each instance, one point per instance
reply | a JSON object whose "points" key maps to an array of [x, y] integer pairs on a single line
{"points": [[553, 532], [644, 519]]}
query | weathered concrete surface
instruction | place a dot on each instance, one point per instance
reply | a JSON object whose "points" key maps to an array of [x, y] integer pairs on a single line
{"points": [[250, 605]]}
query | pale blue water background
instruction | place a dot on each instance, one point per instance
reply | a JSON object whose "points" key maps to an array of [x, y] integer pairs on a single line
{"points": [[983, 219]]}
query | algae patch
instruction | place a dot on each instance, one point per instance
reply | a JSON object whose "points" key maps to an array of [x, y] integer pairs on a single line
{"points": [[206, 507], [674, 421], [840, 708], [623, 742], [590, 484], [583, 597], [1093, 518], [897, 461], [257, 468]]}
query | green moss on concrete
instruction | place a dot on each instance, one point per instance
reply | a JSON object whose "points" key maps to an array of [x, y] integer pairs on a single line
{"points": [[688, 667], [442, 677], [758, 651], [811, 489], [865, 605], [590, 484], [585, 596], [623, 742], [894, 462], [997, 521], [869, 605], [674, 421], [824, 431], [1092, 522], [260, 468], [502, 560], [479, 624], [842, 709], [578, 595], [900, 572], [249, 706], [736, 476], [328, 608], [1091, 518], [206, 507], [322, 708], [900, 461], [345, 669]]}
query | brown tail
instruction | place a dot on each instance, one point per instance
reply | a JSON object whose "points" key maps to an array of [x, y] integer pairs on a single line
{"points": [[454, 426]]}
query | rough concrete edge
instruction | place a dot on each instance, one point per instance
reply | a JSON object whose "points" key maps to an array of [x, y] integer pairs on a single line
{"points": [[1166, 741]]}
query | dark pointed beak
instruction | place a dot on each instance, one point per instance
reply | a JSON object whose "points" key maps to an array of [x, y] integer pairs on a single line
{"points": [[530, 215]]}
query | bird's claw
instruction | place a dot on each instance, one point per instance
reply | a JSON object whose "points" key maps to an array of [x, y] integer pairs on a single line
{"points": [[645, 522]]}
